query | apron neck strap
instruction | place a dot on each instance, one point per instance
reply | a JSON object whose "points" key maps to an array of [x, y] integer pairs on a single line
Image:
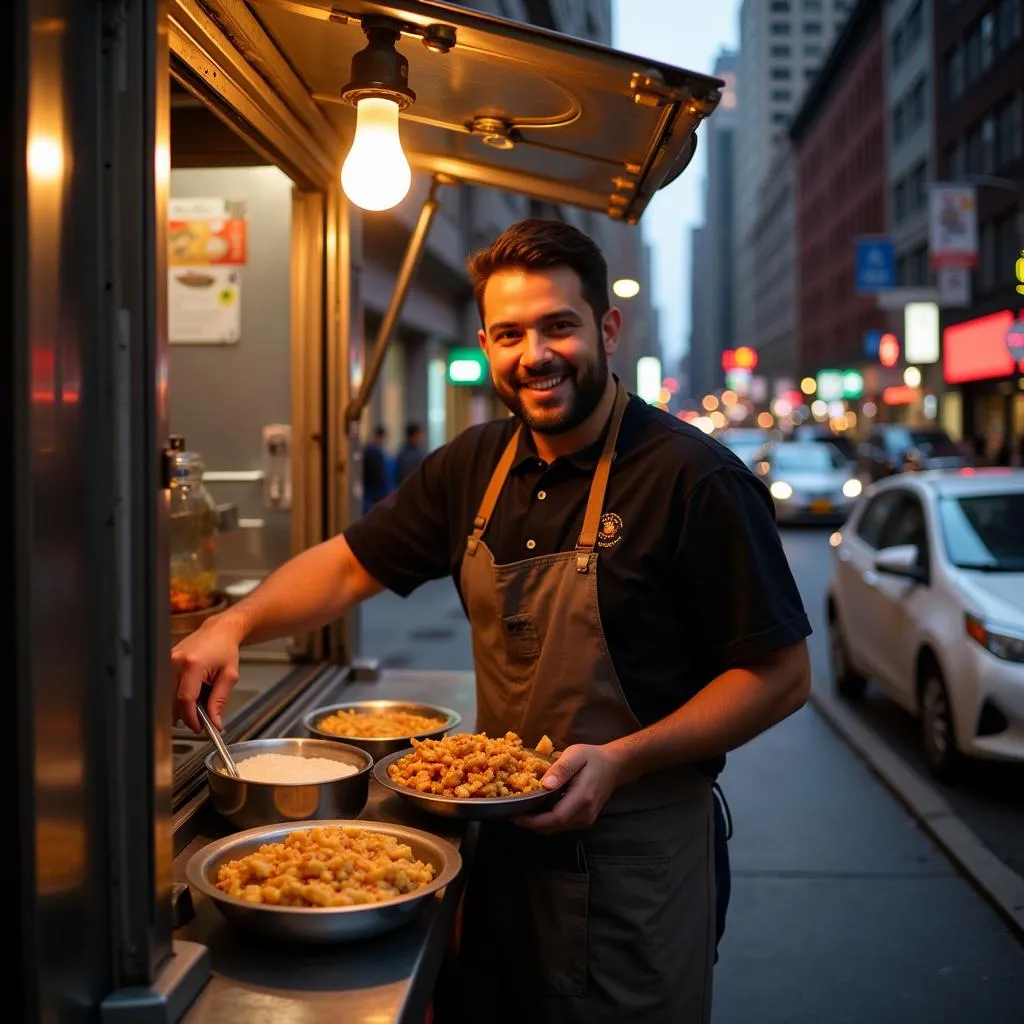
{"points": [[599, 486], [498, 478]]}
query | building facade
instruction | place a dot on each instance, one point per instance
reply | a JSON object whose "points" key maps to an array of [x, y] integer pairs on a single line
{"points": [[782, 45], [713, 244], [839, 145], [979, 139]]}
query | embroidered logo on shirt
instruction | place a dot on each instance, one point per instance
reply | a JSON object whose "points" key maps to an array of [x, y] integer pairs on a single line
{"points": [[609, 533]]}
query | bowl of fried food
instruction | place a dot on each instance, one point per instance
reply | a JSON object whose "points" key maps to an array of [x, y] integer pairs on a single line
{"points": [[471, 776], [380, 727], [323, 881]]}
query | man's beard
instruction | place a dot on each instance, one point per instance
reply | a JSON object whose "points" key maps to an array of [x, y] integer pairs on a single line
{"points": [[588, 386]]}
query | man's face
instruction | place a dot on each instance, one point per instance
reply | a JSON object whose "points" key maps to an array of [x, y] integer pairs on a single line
{"points": [[548, 357]]}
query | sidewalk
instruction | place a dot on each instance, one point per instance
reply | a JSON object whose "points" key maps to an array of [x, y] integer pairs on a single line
{"points": [[843, 911]]}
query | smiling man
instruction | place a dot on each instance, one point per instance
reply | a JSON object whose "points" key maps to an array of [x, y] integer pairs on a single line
{"points": [[628, 596]]}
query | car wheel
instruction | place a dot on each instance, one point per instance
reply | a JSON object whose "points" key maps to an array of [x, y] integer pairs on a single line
{"points": [[938, 732], [849, 682]]}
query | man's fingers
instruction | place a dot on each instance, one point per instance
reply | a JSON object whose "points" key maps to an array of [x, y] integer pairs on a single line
{"points": [[190, 682], [568, 765], [220, 691]]}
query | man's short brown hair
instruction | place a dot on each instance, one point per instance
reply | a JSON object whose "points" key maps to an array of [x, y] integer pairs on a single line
{"points": [[538, 244]]}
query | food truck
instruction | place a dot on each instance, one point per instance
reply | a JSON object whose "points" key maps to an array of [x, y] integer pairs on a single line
{"points": [[127, 300]]}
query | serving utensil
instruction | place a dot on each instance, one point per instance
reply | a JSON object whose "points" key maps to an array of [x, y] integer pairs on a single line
{"points": [[218, 741]]}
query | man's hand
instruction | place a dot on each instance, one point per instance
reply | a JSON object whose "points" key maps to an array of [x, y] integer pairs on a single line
{"points": [[589, 774], [209, 655]]}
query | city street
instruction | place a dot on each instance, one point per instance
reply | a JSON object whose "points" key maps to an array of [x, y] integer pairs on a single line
{"points": [[843, 911]]}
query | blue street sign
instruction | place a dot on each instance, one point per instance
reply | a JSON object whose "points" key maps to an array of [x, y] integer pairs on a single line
{"points": [[875, 264], [872, 339]]}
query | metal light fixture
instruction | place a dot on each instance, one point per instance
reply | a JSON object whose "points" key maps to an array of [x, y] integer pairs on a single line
{"points": [[376, 173]]}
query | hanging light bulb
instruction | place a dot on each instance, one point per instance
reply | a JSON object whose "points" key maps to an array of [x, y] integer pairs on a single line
{"points": [[376, 173]]}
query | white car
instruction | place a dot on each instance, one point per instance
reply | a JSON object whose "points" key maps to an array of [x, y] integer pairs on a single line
{"points": [[926, 598], [810, 482]]}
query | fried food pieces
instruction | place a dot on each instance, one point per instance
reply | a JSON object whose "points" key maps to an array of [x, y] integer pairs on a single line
{"points": [[471, 765], [377, 725], [333, 866]]}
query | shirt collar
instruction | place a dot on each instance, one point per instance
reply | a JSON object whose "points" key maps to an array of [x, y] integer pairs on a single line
{"points": [[585, 459]]}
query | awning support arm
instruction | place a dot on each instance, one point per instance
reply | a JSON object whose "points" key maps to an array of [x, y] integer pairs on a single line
{"points": [[413, 253]]}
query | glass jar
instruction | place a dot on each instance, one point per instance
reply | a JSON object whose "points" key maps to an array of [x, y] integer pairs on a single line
{"points": [[193, 534]]}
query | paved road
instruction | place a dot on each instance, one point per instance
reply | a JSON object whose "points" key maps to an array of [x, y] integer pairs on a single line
{"points": [[991, 799]]}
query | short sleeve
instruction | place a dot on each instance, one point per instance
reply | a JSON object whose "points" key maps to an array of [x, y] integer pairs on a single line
{"points": [[734, 576], [403, 540]]}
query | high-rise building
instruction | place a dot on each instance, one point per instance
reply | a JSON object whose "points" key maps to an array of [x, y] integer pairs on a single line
{"points": [[782, 45], [712, 245], [979, 136]]}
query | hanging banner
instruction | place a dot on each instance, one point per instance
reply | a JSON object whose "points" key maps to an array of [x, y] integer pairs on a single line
{"points": [[952, 225], [207, 247], [954, 286]]}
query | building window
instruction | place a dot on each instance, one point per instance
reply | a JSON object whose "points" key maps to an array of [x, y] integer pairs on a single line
{"points": [[812, 28], [1009, 28], [781, 74], [780, 6], [987, 33], [809, 73], [954, 74], [1009, 131], [974, 160], [915, 23], [812, 50], [778, 118], [779, 28], [781, 50], [782, 95], [972, 62], [896, 47], [812, 5], [988, 144], [897, 123], [917, 188], [899, 201]]}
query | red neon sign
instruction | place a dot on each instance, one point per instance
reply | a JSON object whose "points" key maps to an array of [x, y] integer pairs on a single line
{"points": [[742, 358], [901, 395], [976, 349], [888, 350]]}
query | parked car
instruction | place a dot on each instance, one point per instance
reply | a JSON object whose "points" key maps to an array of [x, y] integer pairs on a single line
{"points": [[926, 598], [826, 435], [892, 447], [745, 442], [810, 481]]}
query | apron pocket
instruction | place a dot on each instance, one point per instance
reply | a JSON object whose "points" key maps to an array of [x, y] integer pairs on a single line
{"points": [[556, 949], [634, 926]]}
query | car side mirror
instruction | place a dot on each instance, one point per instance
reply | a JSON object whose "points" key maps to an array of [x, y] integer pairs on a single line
{"points": [[901, 560]]}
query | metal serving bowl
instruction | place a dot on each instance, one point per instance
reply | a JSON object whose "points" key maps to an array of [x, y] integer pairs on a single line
{"points": [[381, 746], [251, 804], [468, 808], [321, 924]]}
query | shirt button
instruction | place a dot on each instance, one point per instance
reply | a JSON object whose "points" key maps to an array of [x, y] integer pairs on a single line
{"points": [[541, 495], [531, 544]]}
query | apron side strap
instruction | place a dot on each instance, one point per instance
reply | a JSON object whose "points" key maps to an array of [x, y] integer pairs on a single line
{"points": [[497, 482], [595, 503]]}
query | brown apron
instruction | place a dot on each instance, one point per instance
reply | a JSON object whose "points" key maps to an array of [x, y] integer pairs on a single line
{"points": [[613, 923]]}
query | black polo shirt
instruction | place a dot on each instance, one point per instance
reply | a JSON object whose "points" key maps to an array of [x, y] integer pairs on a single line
{"points": [[692, 575]]}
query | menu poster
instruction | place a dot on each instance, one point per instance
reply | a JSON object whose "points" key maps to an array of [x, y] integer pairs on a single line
{"points": [[207, 249]]}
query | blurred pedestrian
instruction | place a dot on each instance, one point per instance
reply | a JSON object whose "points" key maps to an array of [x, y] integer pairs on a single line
{"points": [[377, 476], [411, 454]]}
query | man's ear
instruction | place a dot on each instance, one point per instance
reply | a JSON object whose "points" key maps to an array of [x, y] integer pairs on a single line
{"points": [[482, 338], [611, 324]]}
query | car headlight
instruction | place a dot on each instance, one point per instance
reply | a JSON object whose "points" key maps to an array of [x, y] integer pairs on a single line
{"points": [[781, 490], [852, 487], [997, 640]]}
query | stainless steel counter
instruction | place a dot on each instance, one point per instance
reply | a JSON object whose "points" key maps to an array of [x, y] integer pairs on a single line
{"points": [[387, 979]]}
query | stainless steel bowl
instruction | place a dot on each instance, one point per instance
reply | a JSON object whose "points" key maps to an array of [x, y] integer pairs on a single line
{"points": [[381, 746], [321, 924], [251, 804], [469, 808]]}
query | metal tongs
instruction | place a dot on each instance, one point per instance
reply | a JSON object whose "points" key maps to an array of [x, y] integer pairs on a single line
{"points": [[218, 741]]}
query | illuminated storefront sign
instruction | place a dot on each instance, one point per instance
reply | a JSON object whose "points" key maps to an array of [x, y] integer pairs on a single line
{"points": [[976, 349], [833, 385], [921, 332], [888, 350], [466, 366]]}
